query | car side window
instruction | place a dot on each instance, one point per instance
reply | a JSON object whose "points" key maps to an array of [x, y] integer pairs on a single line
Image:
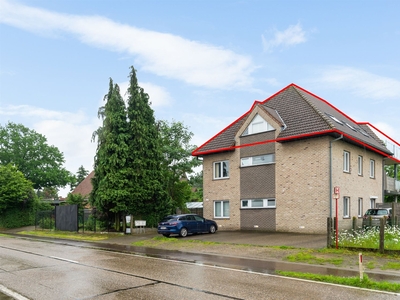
{"points": [[198, 218], [191, 218]]}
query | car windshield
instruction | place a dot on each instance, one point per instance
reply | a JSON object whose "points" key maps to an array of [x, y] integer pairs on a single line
{"points": [[376, 212]]}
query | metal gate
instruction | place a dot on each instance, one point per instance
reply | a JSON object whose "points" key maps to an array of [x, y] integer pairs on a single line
{"points": [[67, 217]]}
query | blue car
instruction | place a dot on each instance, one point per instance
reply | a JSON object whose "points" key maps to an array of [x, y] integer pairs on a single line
{"points": [[185, 224]]}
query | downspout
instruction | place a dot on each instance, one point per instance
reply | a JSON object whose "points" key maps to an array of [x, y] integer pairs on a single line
{"points": [[330, 173]]}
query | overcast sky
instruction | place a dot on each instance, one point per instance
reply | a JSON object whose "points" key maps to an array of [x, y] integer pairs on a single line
{"points": [[203, 63]]}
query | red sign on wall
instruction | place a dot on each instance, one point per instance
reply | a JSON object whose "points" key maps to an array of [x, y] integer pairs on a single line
{"points": [[336, 190]]}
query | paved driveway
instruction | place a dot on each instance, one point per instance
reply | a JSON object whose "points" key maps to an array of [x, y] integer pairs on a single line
{"points": [[265, 238]]}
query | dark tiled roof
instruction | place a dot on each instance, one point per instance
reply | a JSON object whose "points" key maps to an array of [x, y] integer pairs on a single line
{"points": [[85, 187], [303, 114]]}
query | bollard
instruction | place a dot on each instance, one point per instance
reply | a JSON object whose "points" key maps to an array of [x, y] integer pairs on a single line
{"points": [[360, 266]]}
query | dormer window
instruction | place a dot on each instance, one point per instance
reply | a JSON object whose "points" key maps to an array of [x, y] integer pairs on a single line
{"points": [[258, 125]]}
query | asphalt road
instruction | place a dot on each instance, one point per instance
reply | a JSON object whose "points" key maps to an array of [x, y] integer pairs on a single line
{"points": [[40, 270]]}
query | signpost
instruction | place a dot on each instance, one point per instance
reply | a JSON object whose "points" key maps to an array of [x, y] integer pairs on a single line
{"points": [[336, 195]]}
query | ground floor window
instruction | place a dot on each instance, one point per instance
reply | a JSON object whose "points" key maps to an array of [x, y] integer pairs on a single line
{"points": [[372, 203], [221, 209], [258, 203], [360, 207], [346, 207]]}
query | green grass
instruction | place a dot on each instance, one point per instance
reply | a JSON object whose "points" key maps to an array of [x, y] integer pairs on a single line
{"points": [[391, 265], [348, 281], [308, 257], [68, 235], [370, 265]]}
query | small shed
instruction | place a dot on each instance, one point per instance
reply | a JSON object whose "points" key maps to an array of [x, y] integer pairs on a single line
{"points": [[195, 207]]}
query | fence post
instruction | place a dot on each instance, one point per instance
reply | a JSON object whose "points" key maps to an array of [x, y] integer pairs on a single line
{"points": [[382, 235], [329, 232]]}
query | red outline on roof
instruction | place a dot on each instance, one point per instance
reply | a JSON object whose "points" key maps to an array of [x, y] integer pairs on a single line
{"points": [[196, 153], [384, 134]]}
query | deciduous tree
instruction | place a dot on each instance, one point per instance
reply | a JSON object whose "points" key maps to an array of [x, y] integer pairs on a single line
{"points": [[40, 163], [15, 189], [177, 160]]}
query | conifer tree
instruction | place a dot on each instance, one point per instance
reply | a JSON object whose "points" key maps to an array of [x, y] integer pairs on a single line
{"points": [[148, 191], [110, 189]]}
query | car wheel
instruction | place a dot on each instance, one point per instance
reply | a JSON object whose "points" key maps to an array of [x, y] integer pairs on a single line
{"points": [[212, 229], [166, 234], [183, 232]]}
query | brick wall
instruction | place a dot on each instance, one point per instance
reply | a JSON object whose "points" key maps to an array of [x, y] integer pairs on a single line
{"points": [[302, 185], [222, 189], [258, 219], [353, 185]]}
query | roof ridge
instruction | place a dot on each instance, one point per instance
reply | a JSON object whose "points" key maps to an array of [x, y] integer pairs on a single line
{"points": [[319, 112]]}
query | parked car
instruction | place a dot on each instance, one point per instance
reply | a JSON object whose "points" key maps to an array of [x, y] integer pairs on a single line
{"points": [[185, 224], [373, 216]]}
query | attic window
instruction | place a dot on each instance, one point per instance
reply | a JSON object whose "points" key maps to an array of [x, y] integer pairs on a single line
{"points": [[258, 124], [351, 127], [363, 132], [335, 119]]}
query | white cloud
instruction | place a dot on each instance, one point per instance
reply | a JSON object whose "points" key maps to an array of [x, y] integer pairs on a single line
{"points": [[293, 35], [360, 83], [163, 54]]}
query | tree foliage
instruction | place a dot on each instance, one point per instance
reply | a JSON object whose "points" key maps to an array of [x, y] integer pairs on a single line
{"points": [[81, 174], [15, 189], [177, 160], [110, 183], [196, 182], [148, 187], [40, 163]]}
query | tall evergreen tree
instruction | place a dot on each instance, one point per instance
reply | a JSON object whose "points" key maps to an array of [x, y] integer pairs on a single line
{"points": [[110, 187], [148, 191]]}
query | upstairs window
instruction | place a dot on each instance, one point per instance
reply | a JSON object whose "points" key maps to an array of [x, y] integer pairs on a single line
{"points": [[372, 168], [360, 165], [258, 125], [346, 161], [257, 160], [221, 169]]}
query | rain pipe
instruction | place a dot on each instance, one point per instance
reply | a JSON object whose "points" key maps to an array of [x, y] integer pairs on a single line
{"points": [[330, 173]]}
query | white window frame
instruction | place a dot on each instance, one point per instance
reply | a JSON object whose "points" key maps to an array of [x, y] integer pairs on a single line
{"points": [[346, 161], [360, 207], [257, 125], [221, 209], [218, 166], [360, 165], [257, 160], [372, 202], [346, 207], [251, 203], [371, 168]]}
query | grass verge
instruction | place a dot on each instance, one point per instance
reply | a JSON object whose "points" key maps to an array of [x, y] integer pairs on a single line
{"points": [[348, 281], [68, 235]]}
